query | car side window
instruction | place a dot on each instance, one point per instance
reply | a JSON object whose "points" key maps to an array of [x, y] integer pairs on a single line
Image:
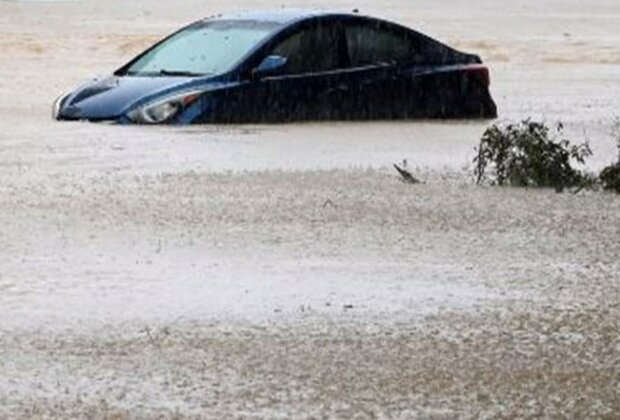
{"points": [[370, 44], [311, 50]]}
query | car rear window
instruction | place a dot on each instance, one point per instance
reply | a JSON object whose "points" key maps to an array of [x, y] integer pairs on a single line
{"points": [[372, 45]]}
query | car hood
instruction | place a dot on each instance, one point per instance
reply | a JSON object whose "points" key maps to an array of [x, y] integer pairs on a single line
{"points": [[111, 97]]}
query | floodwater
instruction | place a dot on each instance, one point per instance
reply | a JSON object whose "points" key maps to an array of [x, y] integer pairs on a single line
{"points": [[283, 270]]}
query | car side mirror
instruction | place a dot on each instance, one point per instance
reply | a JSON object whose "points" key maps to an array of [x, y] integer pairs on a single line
{"points": [[270, 66]]}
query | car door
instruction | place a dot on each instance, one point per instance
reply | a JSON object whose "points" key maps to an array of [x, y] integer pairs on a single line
{"points": [[381, 79], [304, 88]]}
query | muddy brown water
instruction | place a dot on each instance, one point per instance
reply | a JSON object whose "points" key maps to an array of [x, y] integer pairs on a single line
{"points": [[283, 270]]}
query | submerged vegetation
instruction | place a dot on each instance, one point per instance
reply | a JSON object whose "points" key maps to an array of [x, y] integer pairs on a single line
{"points": [[531, 154], [610, 176]]}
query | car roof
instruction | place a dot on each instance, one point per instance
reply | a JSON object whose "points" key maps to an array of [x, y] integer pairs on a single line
{"points": [[281, 16]]}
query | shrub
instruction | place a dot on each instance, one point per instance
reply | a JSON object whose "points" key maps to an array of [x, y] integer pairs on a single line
{"points": [[610, 176], [529, 154]]}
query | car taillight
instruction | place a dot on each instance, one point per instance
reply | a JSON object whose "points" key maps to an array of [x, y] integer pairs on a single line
{"points": [[481, 73]]}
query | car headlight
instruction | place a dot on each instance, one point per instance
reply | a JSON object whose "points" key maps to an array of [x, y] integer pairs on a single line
{"points": [[58, 105], [162, 110]]}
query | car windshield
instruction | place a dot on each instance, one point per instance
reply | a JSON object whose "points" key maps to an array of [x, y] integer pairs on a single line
{"points": [[209, 47]]}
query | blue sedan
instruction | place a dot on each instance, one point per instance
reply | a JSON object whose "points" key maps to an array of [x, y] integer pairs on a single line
{"points": [[287, 66]]}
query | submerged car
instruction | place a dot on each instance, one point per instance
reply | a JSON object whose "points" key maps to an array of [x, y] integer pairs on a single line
{"points": [[287, 66]]}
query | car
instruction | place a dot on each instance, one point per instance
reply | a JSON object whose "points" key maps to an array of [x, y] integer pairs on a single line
{"points": [[287, 65]]}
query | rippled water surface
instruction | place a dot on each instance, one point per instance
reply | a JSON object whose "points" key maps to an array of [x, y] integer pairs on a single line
{"points": [[284, 270]]}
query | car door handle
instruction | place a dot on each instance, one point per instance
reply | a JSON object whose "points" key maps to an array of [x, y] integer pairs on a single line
{"points": [[337, 89]]}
